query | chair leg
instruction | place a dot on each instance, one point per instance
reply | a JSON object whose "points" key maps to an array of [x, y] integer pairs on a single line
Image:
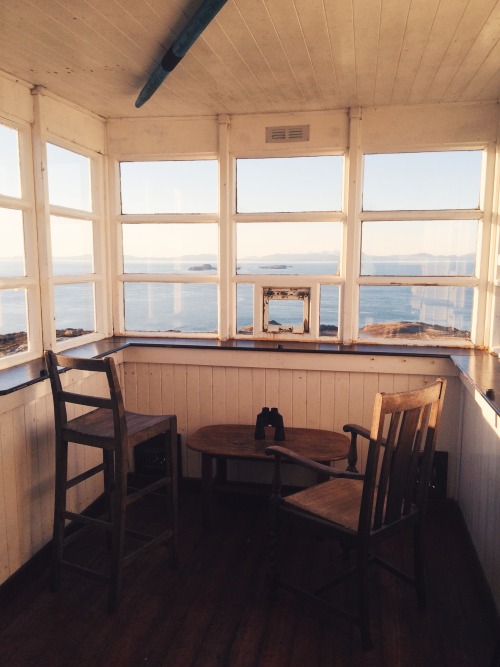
{"points": [[363, 604], [172, 495], [108, 461], [59, 509], [118, 531], [274, 523], [418, 557]]}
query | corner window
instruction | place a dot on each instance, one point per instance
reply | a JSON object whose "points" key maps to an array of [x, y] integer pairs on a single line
{"points": [[20, 326], [74, 232], [420, 228]]}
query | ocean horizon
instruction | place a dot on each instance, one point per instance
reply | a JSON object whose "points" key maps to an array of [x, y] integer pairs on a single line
{"points": [[193, 307]]}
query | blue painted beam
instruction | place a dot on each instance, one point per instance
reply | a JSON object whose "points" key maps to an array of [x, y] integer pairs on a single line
{"points": [[180, 47]]}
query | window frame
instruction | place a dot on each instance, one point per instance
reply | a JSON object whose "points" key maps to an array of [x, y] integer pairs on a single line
{"points": [[477, 281], [30, 281], [100, 276], [262, 281], [160, 218]]}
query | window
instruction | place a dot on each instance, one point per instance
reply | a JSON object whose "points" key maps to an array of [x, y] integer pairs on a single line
{"points": [[170, 246], [75, 233], [420, 230], [20, 330], [288, 227]]}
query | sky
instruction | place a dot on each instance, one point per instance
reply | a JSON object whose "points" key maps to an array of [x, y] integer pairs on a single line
{"points": [[406, 181]]}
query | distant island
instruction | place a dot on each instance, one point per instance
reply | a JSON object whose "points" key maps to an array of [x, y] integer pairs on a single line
{"points": [[203, 267], [275, 266]]}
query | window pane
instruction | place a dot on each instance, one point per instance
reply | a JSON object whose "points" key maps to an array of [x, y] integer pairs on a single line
{"points": [[13, 322], [422, 181], [286, 313], [419, 248], [69, 178], [415, 312], [244, 309], [173, 248], [72, 246], [75, 310], [12, 246], [174, 307], [10, 173], [329, 310], [177, 186], [288, 248], [268, 185]]}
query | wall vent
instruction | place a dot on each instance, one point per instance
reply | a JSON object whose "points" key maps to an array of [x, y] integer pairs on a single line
{"points": [[285, 133]]}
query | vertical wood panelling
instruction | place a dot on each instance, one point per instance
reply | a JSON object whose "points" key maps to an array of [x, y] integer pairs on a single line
{"points": [[478, 491], [27, 464]]}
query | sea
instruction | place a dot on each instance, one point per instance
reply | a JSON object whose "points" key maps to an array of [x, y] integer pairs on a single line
{"points": [[193, 307]]}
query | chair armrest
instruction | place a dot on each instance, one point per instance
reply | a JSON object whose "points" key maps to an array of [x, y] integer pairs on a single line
{"points": [[321, 468], [355, 429]]}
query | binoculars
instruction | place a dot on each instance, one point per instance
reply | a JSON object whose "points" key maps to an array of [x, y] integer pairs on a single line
{"points": [[269, 418]]}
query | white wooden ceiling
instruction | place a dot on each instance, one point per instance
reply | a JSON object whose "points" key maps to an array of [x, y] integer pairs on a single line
{"points": [[257, 55]]}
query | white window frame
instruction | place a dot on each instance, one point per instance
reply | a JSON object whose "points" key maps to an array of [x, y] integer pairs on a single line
{"points": [[158, 218], [26, 204], [478, 282], [99, 278], [261, 281]]}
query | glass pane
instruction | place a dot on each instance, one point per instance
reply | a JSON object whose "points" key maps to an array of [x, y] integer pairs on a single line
{"points": [[177, 186], [10, 172], [69, 178], [329, 310], [285, 184], [417, 312], [173, 248], [72, 246], [422, 181], [419, 248], [75, 310], [174, 307], [286, 313], [12, 246], [288, 248], [13, 322], [244, 309]]}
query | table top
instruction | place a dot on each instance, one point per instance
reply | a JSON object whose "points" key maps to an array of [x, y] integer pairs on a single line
{"points": [[237, 441]]}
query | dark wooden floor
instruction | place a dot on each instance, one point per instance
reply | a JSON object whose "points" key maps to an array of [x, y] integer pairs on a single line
{"points": [[215, 609]]}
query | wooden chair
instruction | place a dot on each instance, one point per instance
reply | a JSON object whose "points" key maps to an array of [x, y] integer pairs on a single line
{"points": [[110, 428], [361, 510]]}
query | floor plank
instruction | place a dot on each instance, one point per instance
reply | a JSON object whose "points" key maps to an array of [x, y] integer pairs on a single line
{"points": [[215, 610]]}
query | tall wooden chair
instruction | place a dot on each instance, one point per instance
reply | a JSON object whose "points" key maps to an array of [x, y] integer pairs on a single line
{"points": [[110, 428], [362, 510]]}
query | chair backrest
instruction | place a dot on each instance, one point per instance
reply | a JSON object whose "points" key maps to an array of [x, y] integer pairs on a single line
{"points": [[404, 429], [61, 397]]}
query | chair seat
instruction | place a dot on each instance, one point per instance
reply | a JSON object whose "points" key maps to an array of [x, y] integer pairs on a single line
{"points": [[337, 501], [99, 423]]}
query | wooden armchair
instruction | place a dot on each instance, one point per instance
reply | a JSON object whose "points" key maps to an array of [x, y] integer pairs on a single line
{"points": [[361, 510]]}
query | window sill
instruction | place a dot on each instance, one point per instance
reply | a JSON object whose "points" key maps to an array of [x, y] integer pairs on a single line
{"points": [[481, 367]]}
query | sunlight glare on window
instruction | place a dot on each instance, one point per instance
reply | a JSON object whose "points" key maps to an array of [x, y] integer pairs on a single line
{"points": [[10, 171], [69, 178], [422, 181], [175, 186], [289, 184], [12, 252]]}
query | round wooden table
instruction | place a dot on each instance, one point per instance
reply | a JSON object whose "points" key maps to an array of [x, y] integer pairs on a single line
{"points": [[236, 441]]}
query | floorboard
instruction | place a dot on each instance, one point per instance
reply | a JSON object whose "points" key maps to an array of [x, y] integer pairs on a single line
{"points": [[215, 609]]}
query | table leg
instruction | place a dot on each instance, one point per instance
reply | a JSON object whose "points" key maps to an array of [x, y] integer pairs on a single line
{"points": [[206, 489], [221, 470]]}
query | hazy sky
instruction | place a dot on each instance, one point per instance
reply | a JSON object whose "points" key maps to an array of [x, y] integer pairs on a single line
{"points": [[391, 182]]}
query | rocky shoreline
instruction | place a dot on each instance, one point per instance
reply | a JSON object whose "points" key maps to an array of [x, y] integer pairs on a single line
{"points": [[13, 343]]}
